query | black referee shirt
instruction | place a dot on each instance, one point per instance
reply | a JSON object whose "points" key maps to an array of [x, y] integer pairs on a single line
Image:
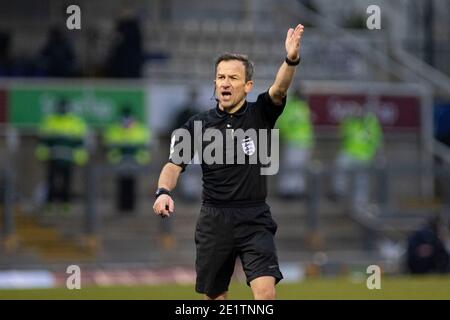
{"points": [[225, 184]]}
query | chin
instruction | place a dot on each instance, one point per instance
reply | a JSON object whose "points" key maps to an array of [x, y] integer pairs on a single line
{"points": [[227, 105]]}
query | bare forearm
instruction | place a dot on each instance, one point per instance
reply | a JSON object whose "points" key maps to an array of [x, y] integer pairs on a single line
{"points": [[169, 176], [282, 82], [286, 72]]}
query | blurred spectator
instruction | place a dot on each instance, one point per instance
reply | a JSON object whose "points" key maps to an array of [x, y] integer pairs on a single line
{"points": [[57, 57], [362, 138], [188, 109], [426, 252], [62, 139], [126, 56], [127, 142], [190, 189], [296, 131]]}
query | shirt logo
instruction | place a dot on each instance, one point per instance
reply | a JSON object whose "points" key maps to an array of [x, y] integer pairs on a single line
{"points": [[209, 146], [248, 146]]}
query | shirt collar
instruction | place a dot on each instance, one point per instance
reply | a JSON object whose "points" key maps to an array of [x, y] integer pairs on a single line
{"points": [[221, 113]]}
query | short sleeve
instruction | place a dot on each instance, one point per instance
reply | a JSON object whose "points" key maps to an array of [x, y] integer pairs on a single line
{"points": [[182, 146], [270, 111]]}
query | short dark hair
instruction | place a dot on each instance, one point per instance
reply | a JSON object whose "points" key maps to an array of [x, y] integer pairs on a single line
{"points": [[240, 57]]}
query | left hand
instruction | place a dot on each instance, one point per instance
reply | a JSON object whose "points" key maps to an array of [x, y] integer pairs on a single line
{"points": [[293, 41], [164, 205]]}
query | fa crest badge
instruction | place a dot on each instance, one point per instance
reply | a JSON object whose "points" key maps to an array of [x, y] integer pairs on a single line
{"points": [[248, 146]]}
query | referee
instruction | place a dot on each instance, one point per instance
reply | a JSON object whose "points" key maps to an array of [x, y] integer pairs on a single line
{"points": [[234, 219]]}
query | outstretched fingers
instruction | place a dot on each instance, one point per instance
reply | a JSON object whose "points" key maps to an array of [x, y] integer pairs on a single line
{"points": [[298, 31], [289, 34]]}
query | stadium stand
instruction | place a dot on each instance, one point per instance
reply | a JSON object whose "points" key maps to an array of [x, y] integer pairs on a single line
{"points": [[181, 42]]}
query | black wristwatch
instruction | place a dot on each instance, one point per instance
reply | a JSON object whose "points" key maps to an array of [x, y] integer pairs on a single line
{"points": [[292, 62], [161, 191]]}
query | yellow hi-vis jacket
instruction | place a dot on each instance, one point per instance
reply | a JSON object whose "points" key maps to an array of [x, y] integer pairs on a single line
{"points": [[62, 138], [361, 137], [295, 123], [125, 142]]}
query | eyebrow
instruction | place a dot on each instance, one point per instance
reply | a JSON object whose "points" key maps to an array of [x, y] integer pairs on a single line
{"points": [[231, 75]]}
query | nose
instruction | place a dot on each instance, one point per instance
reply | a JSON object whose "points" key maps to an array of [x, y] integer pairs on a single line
{"points": [[226, 83]]}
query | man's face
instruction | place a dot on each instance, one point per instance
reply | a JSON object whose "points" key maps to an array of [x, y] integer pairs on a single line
{"points": [[231, 87]]}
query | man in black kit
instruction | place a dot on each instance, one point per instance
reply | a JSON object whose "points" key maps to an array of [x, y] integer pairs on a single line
{"points": [[234, 219]]}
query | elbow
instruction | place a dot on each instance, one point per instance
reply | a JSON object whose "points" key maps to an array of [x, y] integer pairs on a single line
{"points": [[172, 168], [279, 94], [283, 93], [280, 91]]}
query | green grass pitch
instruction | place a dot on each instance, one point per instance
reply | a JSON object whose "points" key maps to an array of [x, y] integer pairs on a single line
{"points": [[435, 287]]}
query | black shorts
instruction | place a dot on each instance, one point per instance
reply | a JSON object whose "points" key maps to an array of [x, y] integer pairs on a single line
{"points": [[223, 234]]}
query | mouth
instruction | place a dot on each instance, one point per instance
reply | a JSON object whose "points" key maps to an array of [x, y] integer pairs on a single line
{"points": [[226, 95]]}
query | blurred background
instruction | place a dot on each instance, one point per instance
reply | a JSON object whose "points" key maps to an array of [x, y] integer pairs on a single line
{"points": [[86, 117]]}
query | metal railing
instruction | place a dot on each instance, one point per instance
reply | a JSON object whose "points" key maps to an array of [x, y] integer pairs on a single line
{"points": [[380, 217]]}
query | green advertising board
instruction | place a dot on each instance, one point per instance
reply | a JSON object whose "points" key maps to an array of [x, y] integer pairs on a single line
{"points": [[99, 106]]}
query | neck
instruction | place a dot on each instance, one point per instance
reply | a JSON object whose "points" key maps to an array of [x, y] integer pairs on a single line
{"points": [[232, 109]]}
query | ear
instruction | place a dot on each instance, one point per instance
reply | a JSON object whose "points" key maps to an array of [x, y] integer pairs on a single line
{"points": [[248, 86]]}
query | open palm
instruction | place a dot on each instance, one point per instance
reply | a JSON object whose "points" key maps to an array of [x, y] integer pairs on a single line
{"points": [[293, 41]]}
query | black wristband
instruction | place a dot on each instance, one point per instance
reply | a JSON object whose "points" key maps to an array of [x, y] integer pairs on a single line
{"points": [[161, 191], [292, 62]]}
